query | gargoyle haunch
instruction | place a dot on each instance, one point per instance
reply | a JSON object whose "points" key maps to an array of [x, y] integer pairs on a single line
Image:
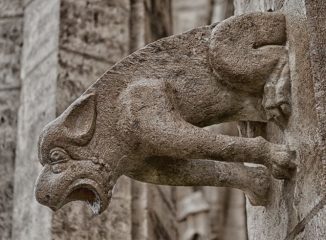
{"points": [[144, 117]]}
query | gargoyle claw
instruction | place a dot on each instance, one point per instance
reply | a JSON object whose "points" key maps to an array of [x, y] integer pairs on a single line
{"points": [[282, 165]]}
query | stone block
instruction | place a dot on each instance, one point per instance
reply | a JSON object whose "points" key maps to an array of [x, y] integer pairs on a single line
{"points": [[10, 45], [99, 29], [41, 26]]}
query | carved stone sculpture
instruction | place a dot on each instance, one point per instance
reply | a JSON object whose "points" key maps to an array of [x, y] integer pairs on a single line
{"points": [[144, 117]]}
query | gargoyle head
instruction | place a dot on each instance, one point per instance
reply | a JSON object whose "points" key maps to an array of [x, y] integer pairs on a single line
{"points": [[73, 169]]}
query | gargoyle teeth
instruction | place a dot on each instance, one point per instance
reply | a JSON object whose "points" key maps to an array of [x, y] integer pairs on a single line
{"points": [[95, 204]]}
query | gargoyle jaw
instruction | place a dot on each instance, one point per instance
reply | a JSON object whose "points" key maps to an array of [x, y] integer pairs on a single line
{"points": [[88, 191]]}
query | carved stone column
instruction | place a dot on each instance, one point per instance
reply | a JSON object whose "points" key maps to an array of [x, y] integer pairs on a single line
{"points": [[38, 80]]}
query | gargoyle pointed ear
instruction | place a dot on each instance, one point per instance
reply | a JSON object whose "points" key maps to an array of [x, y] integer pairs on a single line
{"points": [[78, 121]]}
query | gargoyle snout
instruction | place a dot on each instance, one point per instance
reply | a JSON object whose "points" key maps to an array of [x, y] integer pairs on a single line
{"points": [[42, 194]]}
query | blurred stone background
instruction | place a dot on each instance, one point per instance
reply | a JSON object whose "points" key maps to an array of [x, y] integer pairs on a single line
{"points": [[52, 50]]}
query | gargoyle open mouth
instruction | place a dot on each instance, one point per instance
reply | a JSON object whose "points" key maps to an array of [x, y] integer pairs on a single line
{"points": [[88, 191]]}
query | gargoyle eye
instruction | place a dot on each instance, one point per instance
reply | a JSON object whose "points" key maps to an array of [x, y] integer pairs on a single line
{"points": [[58, 155]]}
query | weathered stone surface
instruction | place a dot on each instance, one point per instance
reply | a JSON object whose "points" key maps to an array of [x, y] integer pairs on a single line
{"points": [[316, 21], [10, 45], [8, 122], [98, 29], [76, 73], [10, 51], [41, 24], [11, 8]]}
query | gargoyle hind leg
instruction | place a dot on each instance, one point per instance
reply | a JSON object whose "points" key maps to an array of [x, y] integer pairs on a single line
{"points": [[253, 181], [163, 132]]}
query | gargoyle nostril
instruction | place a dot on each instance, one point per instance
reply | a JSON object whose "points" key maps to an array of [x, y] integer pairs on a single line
{"points": [[47, 198]]}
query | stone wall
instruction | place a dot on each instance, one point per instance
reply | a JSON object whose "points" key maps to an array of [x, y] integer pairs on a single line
{"points": [[11, 22], [297, 207]]}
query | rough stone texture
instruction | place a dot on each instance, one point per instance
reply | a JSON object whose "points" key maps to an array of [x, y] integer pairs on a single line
{"points": [[8, 119], [11, 41], [10, 52], [11, 8], [75, 74], [95, 29], [38, 74], [296, 207], [40, 33], [90, 42], [316, 22]]}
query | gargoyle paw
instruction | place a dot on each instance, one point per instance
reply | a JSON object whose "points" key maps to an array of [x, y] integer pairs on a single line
{"points": [[282, 165]]}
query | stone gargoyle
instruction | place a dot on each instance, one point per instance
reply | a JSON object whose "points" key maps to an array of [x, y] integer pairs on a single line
{"points": [[145, 117]]}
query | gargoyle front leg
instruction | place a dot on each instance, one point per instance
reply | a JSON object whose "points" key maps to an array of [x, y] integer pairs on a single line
{"points": [[254, 181], [161, 131]]}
